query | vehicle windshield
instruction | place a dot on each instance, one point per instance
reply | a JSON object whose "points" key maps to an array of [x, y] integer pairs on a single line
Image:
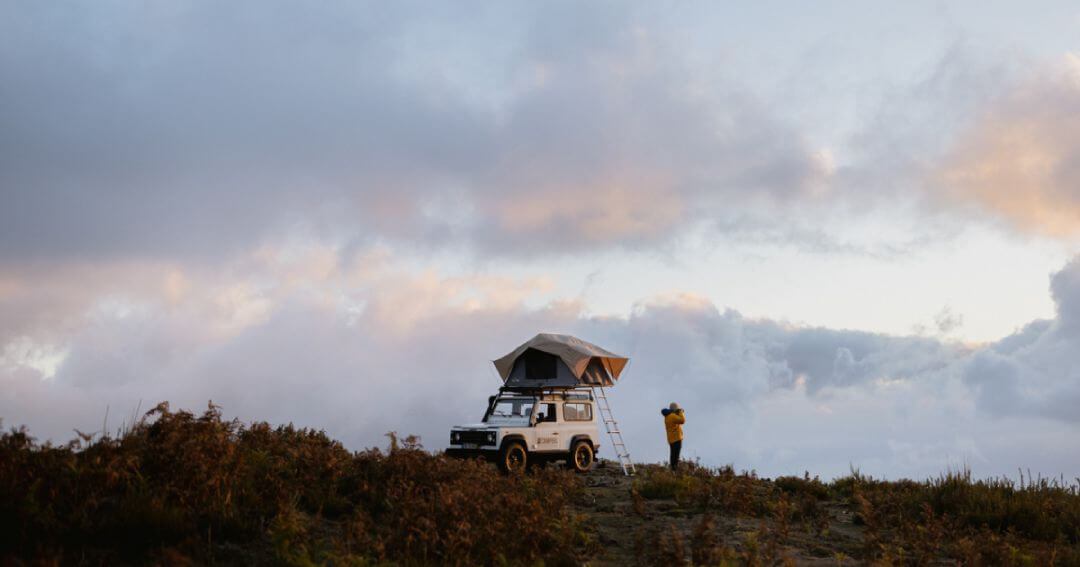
{"points": [[512, 411]]}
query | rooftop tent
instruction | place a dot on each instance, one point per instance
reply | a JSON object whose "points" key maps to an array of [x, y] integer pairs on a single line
{"points": [[559, 361]]}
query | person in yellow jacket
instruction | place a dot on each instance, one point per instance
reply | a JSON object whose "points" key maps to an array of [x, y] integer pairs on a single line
{"points": [[673, 422]]}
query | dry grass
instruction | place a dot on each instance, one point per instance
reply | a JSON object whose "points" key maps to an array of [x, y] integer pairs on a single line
{"points": [[177, 488], [953, 518], [975, 522], [180, 488]]}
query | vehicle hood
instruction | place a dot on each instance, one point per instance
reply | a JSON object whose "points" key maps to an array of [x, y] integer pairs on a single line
{"points": [[476, 426]]}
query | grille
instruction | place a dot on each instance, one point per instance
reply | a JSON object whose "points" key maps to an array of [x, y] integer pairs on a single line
{"points": [[477, 437]]}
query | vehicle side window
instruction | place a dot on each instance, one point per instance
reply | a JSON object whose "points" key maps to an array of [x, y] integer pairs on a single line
{"points": [[546, 413], [577, 412]]}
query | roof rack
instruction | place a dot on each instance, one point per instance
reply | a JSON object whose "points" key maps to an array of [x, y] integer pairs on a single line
{"points": [[577, 393]]}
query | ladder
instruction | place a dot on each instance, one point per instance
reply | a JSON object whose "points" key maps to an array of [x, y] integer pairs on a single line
{"points": [[612, 428]]}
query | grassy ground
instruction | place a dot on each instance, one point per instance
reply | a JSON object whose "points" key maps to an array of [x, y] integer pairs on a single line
{"points": [[705, 516], [649, 520], [181, 489]]}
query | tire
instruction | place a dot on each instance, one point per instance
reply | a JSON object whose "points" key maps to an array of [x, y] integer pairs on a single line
{"points": [[581, 457], [514, 457]]}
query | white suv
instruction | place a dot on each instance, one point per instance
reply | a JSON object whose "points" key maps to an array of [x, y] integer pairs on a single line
{"points": [[523, 428]]}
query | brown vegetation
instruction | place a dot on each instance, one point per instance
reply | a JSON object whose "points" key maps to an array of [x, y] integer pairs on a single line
{"points": [[953, 519], [177, 488]]}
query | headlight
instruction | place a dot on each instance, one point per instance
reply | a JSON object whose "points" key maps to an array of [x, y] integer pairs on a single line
{"points": [[491, 437], [454, 437]]}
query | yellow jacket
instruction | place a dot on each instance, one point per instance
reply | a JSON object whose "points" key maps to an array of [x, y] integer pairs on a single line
{"points": [[673, 423]]}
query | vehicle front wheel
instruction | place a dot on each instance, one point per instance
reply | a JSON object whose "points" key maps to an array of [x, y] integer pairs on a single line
{"points": [[581, 457], [514, 457]]}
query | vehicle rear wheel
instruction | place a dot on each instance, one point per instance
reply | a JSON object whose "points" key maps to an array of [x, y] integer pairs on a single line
{"points": [[581, 456], [514, 457]]}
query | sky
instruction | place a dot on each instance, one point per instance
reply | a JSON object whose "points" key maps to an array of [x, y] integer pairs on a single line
{"points": [[840, 234]]}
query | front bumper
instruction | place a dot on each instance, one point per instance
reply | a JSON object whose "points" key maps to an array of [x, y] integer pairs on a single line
{"points": [[459, 453]]}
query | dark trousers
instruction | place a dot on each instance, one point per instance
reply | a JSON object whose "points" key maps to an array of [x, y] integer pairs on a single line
{"points": [[676, 448]]}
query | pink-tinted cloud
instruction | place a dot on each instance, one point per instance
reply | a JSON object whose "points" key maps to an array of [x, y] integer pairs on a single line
{"points": [[1019, 160]]}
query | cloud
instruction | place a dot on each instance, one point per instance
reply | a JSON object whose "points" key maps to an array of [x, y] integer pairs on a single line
{"points": [[1018, 158], [1034, 371], [197, 133], [1065, 287], [204, 130], [225, 202], [372, 346], [200, 130], [357, 351]]}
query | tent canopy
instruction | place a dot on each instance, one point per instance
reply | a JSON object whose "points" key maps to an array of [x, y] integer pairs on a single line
{"points": [[550, 360]]}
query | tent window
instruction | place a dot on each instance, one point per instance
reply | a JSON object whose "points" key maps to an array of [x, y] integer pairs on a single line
{"points": [[539, 365]]}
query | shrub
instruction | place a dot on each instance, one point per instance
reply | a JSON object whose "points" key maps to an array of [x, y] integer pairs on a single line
{"points": [[707, 489], [178, 488], [803, 486], [991, 521]]}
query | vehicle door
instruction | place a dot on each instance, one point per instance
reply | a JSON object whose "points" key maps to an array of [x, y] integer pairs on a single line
{"points": [[547, 427], [577, 417]]}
